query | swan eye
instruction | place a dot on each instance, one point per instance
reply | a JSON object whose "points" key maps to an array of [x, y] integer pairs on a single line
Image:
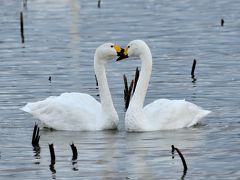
{"points": [[128, 47], [111, 46]]}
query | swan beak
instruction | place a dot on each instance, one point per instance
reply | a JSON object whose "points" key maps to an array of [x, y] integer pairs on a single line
{"points": [[123, 54]]}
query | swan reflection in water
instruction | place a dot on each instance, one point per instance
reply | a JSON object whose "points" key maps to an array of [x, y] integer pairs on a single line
{"points": [[120, 154]]}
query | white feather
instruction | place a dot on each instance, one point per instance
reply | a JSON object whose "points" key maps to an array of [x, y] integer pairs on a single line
{"points": [[162, 114], [78, 111]]}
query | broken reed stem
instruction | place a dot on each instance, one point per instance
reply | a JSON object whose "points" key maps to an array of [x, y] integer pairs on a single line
{"points": [[96, 80], [222, 22], [52, 153], [136, 79], [35, 136], [74, 151], [53, 159], [99, 3], [193, 68], [129, 91], [125, 87], [25, 3], [185, 168], [125, 82], [50, 79], [22, 27], [125, 91]]}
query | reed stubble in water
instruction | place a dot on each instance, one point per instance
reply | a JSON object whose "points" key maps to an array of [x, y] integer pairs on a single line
{"points": [[222, 22], [96, 80], [50, 79], [99, 3], [74, 151], [25, 4], [35, 136], [52, 153], [193, 70], [22, 27], [53, 159], [193, 67], [185, 168], [129, 91]]}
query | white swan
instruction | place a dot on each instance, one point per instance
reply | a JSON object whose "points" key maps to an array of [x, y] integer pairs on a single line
{"points": [[162, 114], [79, 111]]}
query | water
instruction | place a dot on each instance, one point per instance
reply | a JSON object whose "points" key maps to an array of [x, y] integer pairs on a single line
{"points": [[60, 41]]}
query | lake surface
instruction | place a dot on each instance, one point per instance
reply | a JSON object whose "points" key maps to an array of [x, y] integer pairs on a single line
{"points": [[60, 40]]}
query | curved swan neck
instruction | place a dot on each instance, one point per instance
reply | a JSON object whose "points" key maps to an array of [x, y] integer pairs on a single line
{"points": [[105, 95], [144, 78]]}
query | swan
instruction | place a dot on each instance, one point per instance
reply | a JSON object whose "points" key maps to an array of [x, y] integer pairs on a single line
{"points": [[162, 114], [80, 111]]}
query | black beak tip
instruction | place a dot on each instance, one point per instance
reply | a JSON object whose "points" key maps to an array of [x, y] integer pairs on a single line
{"points": [[121, 58], [121, 55]]}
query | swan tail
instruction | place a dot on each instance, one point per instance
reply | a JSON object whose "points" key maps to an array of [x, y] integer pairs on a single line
{"points": [[199, 117], [26, 108]]}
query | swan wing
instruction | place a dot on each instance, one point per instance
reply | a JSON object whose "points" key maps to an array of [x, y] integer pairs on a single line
{"points": [[69, 111], [172, 114]]}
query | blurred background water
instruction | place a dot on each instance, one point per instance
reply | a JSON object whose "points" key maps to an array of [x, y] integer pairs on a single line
{"points": [[60, 40]]}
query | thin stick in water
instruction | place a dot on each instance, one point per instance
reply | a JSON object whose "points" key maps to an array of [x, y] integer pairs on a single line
{"points": [[50, 79], [96, 80], [52, 153], [222, 22], [22, 27], [125, 89], [99, 3], [136, 80], [25, 4], [35, 136], [129, 91], [74, 151], [185, 168], [193, 68], [125, 83]]}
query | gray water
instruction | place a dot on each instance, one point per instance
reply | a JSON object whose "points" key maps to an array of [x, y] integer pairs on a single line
{"points": [[61, 37]]}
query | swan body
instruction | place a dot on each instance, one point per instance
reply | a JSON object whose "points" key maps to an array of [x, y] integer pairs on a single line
{"points": [[69, 111], [162, 114], [79, 111]]}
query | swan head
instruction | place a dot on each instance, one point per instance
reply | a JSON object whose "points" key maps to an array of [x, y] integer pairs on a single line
{"points": [[134, 48], [108, 51]]}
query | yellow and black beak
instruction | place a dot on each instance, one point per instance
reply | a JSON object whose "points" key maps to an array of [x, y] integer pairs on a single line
{"points": [[121, 53]]}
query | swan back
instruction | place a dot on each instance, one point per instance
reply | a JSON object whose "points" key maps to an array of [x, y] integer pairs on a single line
{"points": [[69, 111], [164, 114]]}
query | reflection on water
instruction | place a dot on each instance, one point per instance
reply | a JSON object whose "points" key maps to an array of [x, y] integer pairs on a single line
{"points": [[37, 151], [52, 168], [53, 159], [74, 165], [60, 41], [74, 32]]}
